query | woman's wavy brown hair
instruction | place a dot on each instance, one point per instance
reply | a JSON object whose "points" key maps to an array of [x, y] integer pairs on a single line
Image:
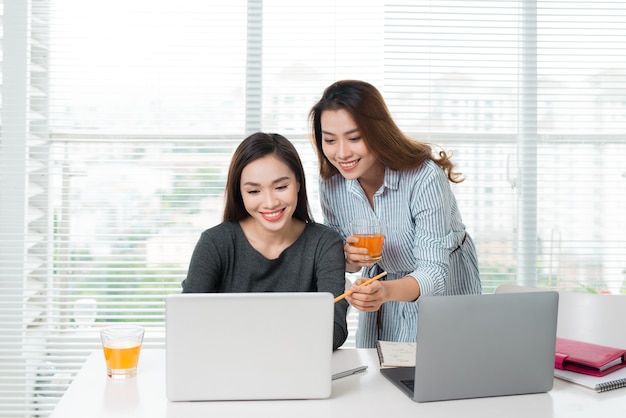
{"points": [[377, 128]]}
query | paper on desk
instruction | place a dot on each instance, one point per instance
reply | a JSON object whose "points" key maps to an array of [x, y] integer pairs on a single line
{"points": [[396, 354]]}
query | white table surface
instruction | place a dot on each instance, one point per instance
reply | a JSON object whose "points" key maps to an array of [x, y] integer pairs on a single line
{"points": [[92, 394]]}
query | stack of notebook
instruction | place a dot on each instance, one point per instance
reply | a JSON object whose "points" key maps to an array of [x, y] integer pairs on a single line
{"points": [[594, 366]]}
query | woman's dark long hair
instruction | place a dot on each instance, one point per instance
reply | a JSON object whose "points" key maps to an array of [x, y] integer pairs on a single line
{"points": [[377, 128], [259, 145]]}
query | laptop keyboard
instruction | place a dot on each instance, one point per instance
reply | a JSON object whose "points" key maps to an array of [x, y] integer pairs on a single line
{"points": [[409, 383]]}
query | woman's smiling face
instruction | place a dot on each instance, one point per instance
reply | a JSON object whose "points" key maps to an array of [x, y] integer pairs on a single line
{"points": [[270, 192], [343, 145]]}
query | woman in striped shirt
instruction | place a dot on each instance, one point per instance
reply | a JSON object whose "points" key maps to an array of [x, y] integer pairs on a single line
{"points": [[370, 169]]}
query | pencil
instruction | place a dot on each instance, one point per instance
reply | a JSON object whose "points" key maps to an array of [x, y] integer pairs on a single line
{"points": [[365, 283]]}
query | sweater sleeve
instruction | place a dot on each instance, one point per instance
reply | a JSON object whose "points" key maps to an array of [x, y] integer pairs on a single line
{"points": [[204, 272], [330, 276]]}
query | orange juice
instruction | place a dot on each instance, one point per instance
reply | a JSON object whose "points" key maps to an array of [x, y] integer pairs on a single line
{"points": [[373, 243], [121, 344], [121, 355]]}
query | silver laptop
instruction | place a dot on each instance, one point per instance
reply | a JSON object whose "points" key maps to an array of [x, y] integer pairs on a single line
{"points": [[475, 346], [248, 346]]}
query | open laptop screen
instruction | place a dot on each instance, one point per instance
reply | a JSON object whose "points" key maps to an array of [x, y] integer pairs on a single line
{"points": [[482, 345], [236, 346]]}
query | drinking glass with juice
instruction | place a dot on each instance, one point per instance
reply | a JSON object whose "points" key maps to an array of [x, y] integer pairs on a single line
{"points": [[121, 345], [371, 235]]}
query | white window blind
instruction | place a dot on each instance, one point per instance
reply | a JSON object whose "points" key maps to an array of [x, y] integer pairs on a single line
{"points": [[119, 118], [530, 96]]}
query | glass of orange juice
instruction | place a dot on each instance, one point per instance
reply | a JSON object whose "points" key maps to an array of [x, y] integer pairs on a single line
{"points": [[121, 345], [371, 235]]}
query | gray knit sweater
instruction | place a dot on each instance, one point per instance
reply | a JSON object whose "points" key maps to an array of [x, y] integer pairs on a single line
{"points": [[224, 261]]}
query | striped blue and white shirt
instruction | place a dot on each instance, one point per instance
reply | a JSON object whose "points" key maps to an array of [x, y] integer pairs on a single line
{"points": [[425, 238]]}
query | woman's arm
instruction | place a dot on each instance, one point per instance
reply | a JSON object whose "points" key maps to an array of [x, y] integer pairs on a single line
{"points": [[329, 273], [371, 297], [202, 272], [430, 212]]}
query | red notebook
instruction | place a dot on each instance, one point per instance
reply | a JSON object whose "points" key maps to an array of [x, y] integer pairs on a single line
{"points": [[588, 358]]}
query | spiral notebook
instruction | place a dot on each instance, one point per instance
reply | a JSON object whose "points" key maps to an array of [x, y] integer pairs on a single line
{"points": [[395, 353], [614, 380]]}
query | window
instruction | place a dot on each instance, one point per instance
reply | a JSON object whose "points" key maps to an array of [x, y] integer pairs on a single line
{"points": [[119, 118]]}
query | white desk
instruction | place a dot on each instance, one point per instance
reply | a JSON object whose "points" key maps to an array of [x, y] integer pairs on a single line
{"points": [[369, 394]]}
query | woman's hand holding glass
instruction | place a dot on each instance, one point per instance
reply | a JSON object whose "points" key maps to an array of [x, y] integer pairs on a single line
{"points": [[364, 298], [365, 246], [356, 256]]}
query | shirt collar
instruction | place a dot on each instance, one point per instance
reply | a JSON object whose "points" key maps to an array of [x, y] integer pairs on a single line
{"points": [[391, 181]]}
